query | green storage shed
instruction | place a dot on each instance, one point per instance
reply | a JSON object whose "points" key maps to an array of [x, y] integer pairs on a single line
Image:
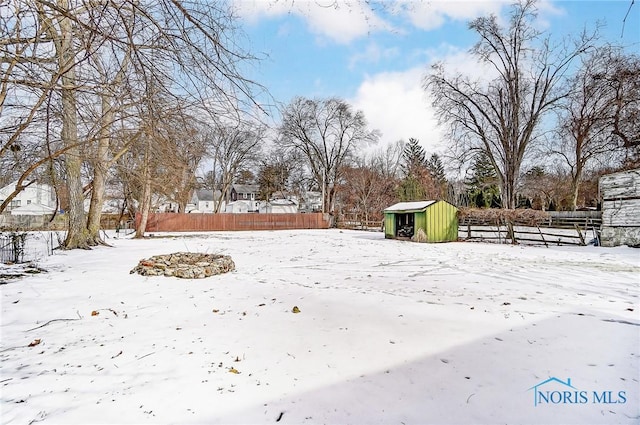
{"points": [[438, 220]]}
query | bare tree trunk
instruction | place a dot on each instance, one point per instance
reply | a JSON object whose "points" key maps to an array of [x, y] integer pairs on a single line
{"points": [[224, 195], [145, 207], [101, 162], [575, 186], [77, 235], [100, 171]]}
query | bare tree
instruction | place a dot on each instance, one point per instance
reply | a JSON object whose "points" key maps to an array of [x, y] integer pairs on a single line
{"points": [[274, 173], [327, 133], [366, 190], [589, 120], [623, 80], [503, 116], [388, 160], [52, 54], [232, 148]]}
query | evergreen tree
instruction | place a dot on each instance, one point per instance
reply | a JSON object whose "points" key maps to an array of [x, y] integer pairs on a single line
{"points": [[434, 164], [436, 170], [414, 158], [483, 173], [418, 183], [410, 189], [478, 199], [483, 180]]}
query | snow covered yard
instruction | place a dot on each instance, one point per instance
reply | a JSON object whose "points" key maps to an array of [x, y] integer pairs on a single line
{"points": [[388, 332]]}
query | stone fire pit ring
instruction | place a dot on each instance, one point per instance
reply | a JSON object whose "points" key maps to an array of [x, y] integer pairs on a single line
{"points": [[185, 265]]}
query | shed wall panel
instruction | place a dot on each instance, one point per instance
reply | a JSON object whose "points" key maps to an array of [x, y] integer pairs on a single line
{"points": [[420, 222], [442, 222], [621, 213], [389, 225], [620, 185]]}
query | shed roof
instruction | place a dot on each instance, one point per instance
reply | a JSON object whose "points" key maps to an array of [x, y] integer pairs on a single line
{"points": [[409, 206]]}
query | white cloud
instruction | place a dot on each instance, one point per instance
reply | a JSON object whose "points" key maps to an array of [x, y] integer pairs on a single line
{"points": [[338, 21], [431, 15], [373, 54], [395, 104], [344, 21]]}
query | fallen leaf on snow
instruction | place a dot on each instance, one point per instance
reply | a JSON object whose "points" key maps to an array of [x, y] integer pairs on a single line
{"points": [[34, 342], [295, 309], [234, 370], [95, 313]]}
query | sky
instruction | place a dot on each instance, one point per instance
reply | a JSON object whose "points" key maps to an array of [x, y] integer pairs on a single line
{"points": [[375, 57]]}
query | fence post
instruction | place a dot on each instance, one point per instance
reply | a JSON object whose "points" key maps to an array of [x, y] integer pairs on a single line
{"points": [[580, 234], [542, 236], [510, 233]]}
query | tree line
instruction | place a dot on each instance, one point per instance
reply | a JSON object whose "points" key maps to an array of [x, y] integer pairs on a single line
{"points": [[130, 99]]}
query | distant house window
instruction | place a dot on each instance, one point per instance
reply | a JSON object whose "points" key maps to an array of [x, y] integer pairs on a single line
{"points": [[245, 195], [28, 201], [15, 203]]}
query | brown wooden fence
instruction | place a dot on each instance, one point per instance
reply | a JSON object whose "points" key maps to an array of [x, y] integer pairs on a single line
{"points": [[174, 222]]}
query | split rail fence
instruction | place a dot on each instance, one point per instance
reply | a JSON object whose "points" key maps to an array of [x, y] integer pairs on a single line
{"points": [[561, 228]]}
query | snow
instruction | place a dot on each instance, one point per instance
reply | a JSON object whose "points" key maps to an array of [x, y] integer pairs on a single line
{"points": [[388, 332], [409, 206]]}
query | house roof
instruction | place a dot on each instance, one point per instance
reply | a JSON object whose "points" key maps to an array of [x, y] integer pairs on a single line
{"points": [[409, 206], [283, 202], [207, 195], [240, 202], [246, 188]]}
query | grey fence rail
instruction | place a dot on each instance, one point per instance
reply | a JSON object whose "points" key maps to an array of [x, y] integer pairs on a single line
{"points": [[561, 228]]}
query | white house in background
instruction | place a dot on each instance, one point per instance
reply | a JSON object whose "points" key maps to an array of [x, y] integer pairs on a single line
{"points": [[109, 206], [239, 207], [311, 202], [37, 194], [33, 209], [202, 201], [244, 192], [279, 206]]}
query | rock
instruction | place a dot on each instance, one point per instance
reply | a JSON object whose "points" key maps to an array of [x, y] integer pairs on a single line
{"points": [[185, 265]]}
